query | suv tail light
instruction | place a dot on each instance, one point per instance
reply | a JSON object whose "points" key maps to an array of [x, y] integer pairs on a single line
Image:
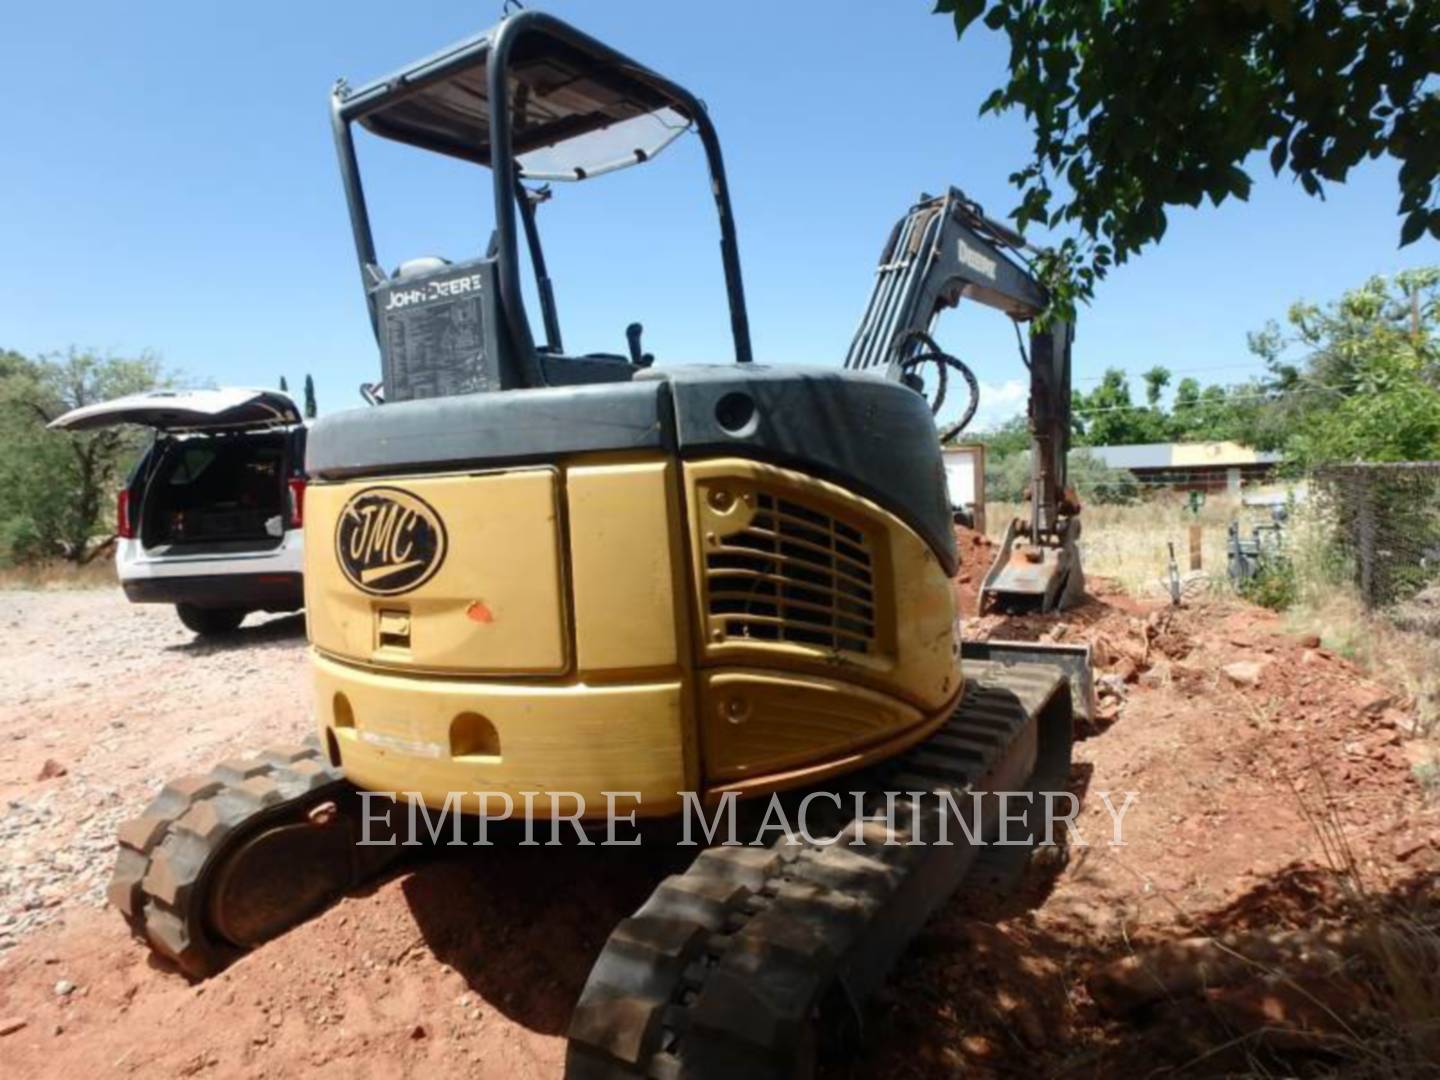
{"points": [[297, 501], [123, 527]]}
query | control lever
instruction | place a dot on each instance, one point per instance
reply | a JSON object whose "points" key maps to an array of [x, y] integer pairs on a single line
{"points": [[632, 338]]}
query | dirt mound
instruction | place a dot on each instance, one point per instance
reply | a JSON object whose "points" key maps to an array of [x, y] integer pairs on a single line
{"points": [[976, 551], [1256, 758]]}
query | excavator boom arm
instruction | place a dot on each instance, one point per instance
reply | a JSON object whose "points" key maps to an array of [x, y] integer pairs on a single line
{"points": [[944, 250]]}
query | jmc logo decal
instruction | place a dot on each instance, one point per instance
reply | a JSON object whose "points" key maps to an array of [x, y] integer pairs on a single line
{"points": [[389, 541]]}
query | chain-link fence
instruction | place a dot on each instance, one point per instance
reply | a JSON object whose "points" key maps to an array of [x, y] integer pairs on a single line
{"points": [[1382, 532]]}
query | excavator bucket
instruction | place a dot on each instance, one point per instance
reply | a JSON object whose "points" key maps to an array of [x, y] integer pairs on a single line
{"points": [[1031, 577]]}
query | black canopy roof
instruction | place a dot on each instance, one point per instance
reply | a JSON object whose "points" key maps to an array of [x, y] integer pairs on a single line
{"points": [[560, 92]]}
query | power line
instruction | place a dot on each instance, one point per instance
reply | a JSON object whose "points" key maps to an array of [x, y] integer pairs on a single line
{"points": [[1181, 371], [1184, 408], [1266, 395]]}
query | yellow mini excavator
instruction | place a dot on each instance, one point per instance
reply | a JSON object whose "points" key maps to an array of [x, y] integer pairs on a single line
{"points": [[547, 575]]}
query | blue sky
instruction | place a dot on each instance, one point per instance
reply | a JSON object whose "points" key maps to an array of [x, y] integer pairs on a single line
{"points": [[169, 183]]}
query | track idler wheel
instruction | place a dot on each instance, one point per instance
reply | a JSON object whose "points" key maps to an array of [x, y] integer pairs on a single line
{"points": [[221, 862]]}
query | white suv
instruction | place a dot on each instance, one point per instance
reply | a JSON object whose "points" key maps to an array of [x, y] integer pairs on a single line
{"points": [[210, 519]]}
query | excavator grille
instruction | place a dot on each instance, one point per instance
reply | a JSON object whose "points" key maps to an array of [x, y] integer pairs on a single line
{"points": [[794, 574]]}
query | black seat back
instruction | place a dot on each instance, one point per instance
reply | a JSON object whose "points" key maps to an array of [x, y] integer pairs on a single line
{"points": [[440, 332]]}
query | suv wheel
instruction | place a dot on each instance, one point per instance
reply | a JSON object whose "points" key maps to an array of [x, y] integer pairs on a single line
{"points": [[208, 621]]}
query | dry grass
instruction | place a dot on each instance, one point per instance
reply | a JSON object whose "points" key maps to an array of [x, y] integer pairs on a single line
{"points": [[1408, 662], [59, 574], [1130, 544], [1401, 939], [1328, 605]]}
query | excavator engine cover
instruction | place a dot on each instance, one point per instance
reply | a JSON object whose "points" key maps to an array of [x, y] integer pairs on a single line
{"points": [[721, 579]]}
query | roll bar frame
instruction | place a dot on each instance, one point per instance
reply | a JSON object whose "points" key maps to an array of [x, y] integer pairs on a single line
{"points": [[494, 48]]}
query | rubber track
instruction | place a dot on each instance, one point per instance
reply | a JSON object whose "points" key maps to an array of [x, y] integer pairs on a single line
{"points": [[723, 970], [166, 852]]}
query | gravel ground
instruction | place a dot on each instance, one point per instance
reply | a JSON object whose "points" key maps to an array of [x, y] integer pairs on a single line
{"points": [[102, 702]]}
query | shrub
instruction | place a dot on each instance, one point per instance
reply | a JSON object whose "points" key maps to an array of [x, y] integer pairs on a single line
{"points": [[1274, 585]]}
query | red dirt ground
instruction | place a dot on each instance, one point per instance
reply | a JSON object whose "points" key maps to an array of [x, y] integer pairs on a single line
{"points": [[472, 965], [976, 552]]}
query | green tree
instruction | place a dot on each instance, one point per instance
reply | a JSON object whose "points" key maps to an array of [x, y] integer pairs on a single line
{"points": [[1097, 482], [1217, 413], [1007, 477], [56, 487], [1144, 105], [284, 386], [311, 408], [1109, 416], [1011, 437], [1156, 380], [12, 363], [1365, 385]]}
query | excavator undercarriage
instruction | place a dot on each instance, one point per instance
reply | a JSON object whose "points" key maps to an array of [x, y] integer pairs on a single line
{"points": [[748, 962]]}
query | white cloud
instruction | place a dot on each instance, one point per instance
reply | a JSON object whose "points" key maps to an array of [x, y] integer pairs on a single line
{"points": [[998, 403]]}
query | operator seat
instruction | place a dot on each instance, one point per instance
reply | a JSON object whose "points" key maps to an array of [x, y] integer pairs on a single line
{"points": [[559, 369]]}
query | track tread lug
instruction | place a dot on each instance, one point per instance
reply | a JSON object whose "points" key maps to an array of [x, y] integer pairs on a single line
{"points": [[260, 791], [813, 915], [705, 901], [209, 821], [179, 793], [762, 994], [125, 891], [750, 866], [851, 873], [238, 770], [287, 755], [169, 937], [624, 1027], [143, 833]]}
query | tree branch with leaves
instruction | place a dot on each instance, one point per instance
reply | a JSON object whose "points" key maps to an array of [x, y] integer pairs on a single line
{"points": [[1138, 106]]}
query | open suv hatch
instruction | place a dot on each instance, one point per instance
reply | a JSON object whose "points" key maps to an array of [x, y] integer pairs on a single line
{"points": [[210, 517]]}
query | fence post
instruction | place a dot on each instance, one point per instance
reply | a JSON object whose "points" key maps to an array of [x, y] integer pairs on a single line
{"points": [[1365, 539], [1195, 547]]}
